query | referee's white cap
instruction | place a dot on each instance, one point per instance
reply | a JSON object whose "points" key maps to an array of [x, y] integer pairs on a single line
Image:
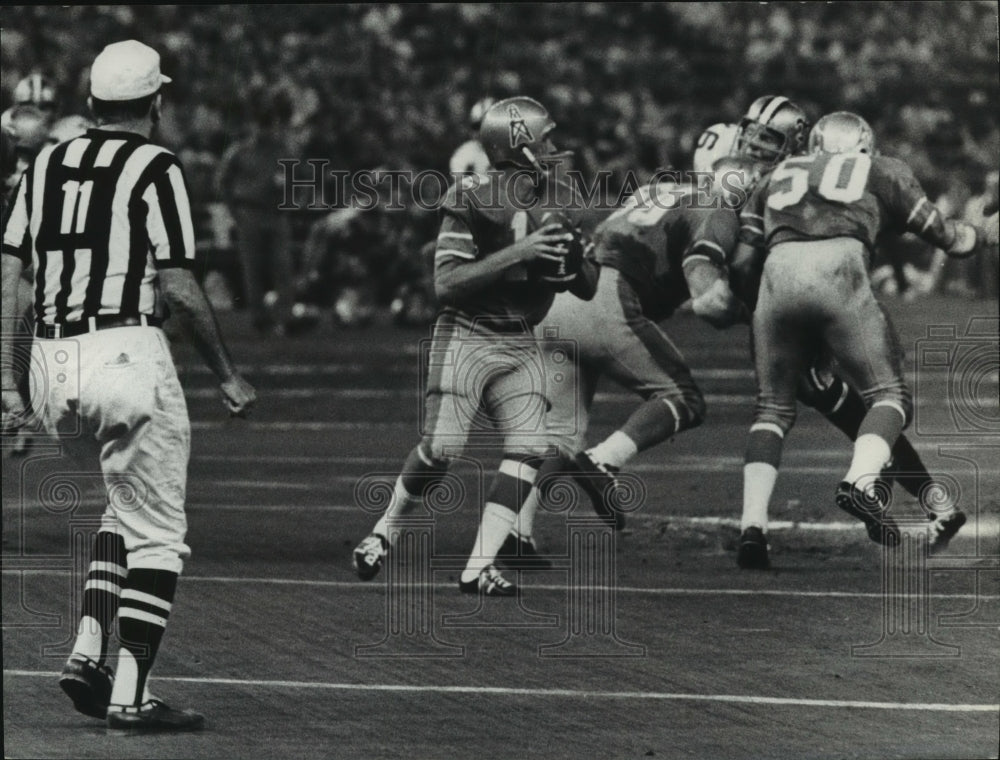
{"points": [[126, 71]]}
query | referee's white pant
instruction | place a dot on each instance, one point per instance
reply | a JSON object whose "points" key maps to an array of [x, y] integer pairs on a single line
{"points": [[113, 396]]}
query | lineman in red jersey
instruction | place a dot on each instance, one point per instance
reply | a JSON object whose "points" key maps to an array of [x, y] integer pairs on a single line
{"points": [[817, 217], [667, 244], [498, 264], [773, 129]]}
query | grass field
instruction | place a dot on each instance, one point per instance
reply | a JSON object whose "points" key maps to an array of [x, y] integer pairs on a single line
{"points": [[666, 650]]}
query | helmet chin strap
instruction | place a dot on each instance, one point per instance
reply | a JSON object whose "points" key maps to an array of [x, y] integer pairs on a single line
{"points": [[549, 157]]}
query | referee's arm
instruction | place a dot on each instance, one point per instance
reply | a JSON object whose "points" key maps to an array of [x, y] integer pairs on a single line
{"points": [[15, 254], [171, 234]]}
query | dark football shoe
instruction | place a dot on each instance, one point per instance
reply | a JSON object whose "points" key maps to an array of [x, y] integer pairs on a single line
{"points": [[871, 510], [599, 482], [88, 685]]}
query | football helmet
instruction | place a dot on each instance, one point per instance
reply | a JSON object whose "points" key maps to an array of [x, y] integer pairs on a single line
{"points": [[515, 132], [714, 143], [478, 110], [36, 90], [773, 128], [842, 132]]}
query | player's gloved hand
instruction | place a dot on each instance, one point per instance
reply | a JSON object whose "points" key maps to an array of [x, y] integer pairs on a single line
{"points": [[718, 306], [14, 412], [238, 395], [965, 239], [545, 243]]}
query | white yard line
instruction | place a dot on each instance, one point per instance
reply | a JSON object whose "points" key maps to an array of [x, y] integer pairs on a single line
{"points": [[555, 693], [632, 590]]}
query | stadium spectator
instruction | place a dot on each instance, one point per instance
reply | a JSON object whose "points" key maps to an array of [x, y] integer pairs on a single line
{"points": [[250, 180]]}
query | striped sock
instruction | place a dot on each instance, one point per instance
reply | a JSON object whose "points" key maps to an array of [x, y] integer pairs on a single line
{"points": [[510, 490], [101, 590], [142, 617]]}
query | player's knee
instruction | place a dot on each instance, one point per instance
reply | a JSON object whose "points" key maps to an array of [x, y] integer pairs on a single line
{"points": [[527, 447], [688, 408], [822, 391], [779, 417], [694, 403], [896, 396], [424, 468], [432, 453]]}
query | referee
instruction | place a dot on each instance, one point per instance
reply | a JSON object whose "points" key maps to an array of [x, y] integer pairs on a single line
{"points": [[105, 220]]}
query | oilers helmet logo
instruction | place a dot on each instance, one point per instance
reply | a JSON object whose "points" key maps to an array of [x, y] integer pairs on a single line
{"points": [[519, 132]]}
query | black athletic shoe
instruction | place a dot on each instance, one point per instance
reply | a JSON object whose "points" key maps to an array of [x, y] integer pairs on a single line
{"points": [[88, 685], [752, 551], [521, 553], [943, 528], [153, 715], [369, 555], [599, 481], [489, 583], [871, 510]]}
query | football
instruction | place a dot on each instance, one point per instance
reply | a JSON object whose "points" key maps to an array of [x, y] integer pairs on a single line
{"points": [[559, 274]]}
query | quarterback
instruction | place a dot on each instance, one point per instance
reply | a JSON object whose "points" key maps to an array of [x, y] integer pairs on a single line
{"points": [[505, 247]]}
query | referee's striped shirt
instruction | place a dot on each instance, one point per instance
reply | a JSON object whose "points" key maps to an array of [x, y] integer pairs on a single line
{"points": [[97, 216]]}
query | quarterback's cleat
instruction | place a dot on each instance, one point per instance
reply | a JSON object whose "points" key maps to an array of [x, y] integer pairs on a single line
{"points": [[871, 510], [943, 528], [88, 684], [752, 551], [153, 715], [369, 555], [489, 583], [600, 483], [521, 553]]}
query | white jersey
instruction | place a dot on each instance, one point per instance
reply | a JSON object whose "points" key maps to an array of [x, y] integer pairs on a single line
{"points": [[718, 141]]}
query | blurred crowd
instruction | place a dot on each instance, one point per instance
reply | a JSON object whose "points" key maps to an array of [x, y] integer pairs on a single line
{"points": [[390, 86]]}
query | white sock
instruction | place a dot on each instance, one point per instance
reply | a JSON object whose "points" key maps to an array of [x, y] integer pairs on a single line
{"points": [[615, 450], [89, 638], [524, 524], [126, 679], [871, 454], [402, 504], [493, 529], [758, 485]]}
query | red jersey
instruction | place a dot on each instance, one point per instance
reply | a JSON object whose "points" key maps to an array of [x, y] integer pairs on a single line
{"points": [[829, 195], [484, 215], [659, 229]]}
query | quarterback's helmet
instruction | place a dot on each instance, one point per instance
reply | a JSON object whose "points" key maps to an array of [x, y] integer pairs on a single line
{"points": [[515, 132], [842, 132], [478, 111], [773, 128], [36, 90]]}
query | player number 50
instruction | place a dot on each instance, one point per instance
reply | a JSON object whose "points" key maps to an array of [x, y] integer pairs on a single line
{"points": [[844, 179]]}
